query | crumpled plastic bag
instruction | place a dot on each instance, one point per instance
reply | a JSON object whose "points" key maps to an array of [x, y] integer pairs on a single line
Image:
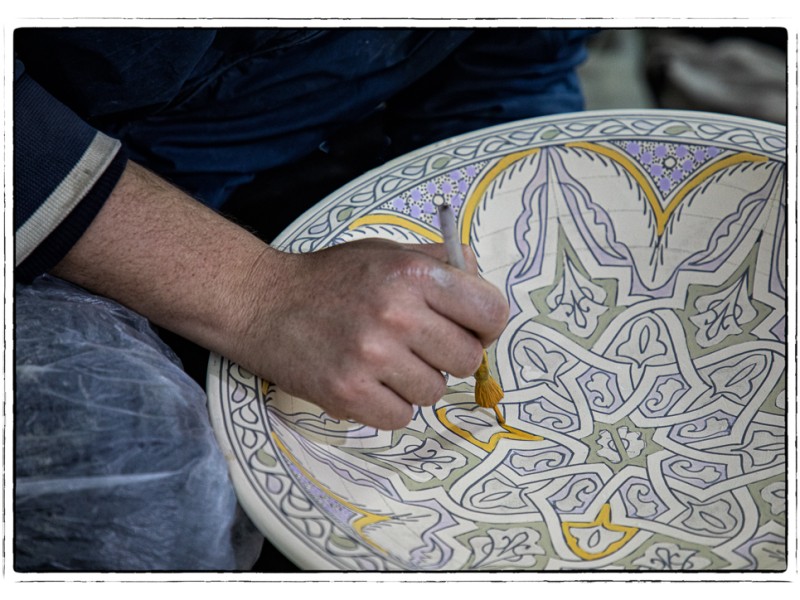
{"points": [[116, 465]]}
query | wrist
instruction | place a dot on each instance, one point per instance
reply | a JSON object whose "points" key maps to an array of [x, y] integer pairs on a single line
{"points": [[166, 256]]}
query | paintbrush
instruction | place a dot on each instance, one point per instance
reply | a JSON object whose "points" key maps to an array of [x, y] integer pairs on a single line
{"points": [[488, 392]]}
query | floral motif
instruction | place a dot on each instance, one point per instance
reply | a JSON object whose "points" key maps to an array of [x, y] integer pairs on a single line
{"points": [[625, 445], [497, 495], [670, 557], [644, 343], [514, 548], [537, 361], [775, 495], [722, 314], [576, 301], [422, 460]]}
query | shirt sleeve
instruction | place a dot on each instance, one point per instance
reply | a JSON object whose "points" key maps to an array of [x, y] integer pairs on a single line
{"points": [[64, 170]]}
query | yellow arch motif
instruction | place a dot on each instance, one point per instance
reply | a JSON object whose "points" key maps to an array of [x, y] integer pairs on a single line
{"points": [[471, 204], [467, 212], [392, 219], [662, 215]]}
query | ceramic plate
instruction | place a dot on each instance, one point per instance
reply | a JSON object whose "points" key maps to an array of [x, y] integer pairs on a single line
{"points": [[643, 254]]}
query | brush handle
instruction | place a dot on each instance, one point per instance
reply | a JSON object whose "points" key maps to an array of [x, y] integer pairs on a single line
{"points": [[488, 392], [447, 223]]}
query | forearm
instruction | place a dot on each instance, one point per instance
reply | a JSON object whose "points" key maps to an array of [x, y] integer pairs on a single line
{"points": [[362, 329], [161, 253]]}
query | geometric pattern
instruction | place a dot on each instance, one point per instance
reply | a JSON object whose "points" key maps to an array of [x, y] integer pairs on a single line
{"points": [[644, 363]]}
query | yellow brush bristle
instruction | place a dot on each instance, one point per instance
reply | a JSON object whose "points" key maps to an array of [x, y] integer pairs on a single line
{"points": [[488, 392]]}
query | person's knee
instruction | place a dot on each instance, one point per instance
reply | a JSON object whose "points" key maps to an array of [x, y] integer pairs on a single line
{"points": [[116, 464]]}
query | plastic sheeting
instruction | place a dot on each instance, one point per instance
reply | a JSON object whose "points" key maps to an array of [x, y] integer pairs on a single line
{"points": [[116, 465]]}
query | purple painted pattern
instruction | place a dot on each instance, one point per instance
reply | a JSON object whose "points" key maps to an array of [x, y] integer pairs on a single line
{"points": [[577, 494], [542, 412], [336, 510], [543, 460], [700, 473], [529, 232], [641, 500], [418, 202], [668, 164], [601, 389], [667, 390], [714, 425], [771, 545]]}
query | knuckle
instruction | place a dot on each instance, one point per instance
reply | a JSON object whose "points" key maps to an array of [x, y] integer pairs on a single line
{"points": [[418, 269], [340, 392], [370, 352], [496, 316], [407, 263], [397, 320], [345, 392], [470, 359], [438, 390], [475, 357], [399, 418]]}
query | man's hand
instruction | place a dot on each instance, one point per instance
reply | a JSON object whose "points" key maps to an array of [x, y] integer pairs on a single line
{"points": [[363, 329]]}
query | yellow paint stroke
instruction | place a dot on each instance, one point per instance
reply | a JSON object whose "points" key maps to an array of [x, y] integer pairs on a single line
{"points": [[603, 520], [467, 211], [471, 205], [511, 433], [663, 214], [359, 524], [384, 219]]}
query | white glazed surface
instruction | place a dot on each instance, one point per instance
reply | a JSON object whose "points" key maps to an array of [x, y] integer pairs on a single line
{"points": [[643, 254]]}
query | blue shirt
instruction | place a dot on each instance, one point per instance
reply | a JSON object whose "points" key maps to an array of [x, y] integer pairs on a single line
{"points": [[208, 109]]}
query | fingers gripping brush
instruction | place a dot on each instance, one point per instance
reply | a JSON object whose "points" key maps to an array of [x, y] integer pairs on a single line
{"points": [[488, 392]]}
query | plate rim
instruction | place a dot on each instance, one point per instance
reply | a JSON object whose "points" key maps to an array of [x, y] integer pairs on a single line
{"points": [[281, 536]]}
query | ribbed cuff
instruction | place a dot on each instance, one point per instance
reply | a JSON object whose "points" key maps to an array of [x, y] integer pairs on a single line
{"points": [[52, 249]]}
